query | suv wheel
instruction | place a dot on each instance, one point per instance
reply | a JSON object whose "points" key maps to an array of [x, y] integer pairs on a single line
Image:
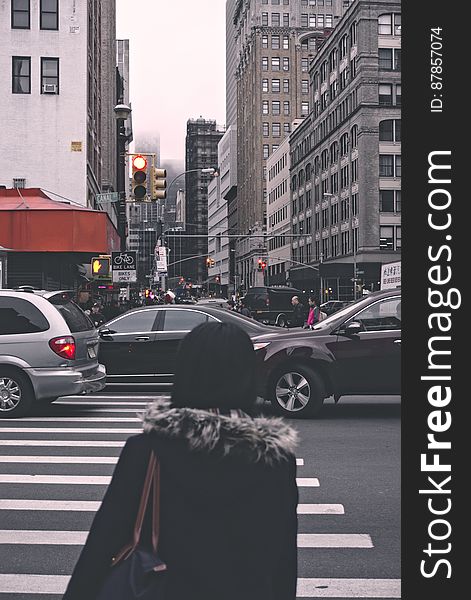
{"points": [[297, 391], [16, 394], [282, 321]]}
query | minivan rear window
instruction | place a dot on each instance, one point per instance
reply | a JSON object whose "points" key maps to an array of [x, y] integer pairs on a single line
{"points": [[73, 315]]}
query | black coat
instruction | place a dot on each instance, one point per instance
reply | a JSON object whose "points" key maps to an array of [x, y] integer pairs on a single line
{"points": [[228, 523], [299, 315]]}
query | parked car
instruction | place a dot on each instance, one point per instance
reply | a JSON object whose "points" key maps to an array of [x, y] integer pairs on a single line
{"points": [[272, 304], [332, 306], [354, 351], [48, 348]]}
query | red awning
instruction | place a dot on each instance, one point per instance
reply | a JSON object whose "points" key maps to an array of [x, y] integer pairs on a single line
{"points": [[31, 221]]}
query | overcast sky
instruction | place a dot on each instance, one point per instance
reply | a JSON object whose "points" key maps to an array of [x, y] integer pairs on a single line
{"points": [[177, 66]]}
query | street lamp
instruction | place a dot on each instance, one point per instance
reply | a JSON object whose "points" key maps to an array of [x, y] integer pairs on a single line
{"points": [[122, 112]]}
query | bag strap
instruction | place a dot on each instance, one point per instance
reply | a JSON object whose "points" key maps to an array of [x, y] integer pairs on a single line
{"points": [[151, 481]]}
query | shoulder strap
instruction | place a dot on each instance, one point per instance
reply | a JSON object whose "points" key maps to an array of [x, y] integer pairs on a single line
{"points": [[151, 481]]}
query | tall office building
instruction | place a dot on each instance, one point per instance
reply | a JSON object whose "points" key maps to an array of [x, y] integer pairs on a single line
{"points": [[231, 66], [346, 156], [61, 76], [275, 41], [202, 138]]}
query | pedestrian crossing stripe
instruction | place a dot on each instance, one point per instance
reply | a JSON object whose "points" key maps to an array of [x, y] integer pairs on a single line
{"points": [[96, 460], [94, 479], [77, 538], [92, 506], [20, 583]]}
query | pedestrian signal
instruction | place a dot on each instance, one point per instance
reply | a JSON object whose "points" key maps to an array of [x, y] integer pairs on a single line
{"points": [[101, 267], [139, 177]]}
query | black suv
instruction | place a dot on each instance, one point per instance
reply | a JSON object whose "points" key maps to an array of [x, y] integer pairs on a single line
{"points": [[272, 304]]}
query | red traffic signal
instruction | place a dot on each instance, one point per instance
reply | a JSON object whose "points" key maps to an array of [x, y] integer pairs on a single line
{"points": [[139, 163]]}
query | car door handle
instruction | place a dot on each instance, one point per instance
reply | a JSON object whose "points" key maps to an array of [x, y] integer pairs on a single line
{"points": [[143, 338], [397, 341]]}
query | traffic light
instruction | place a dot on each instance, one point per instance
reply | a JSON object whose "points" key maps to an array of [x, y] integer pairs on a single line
{"points": [[260, 264], [101, 267], [139, 177], [159, 184], [264, 265]]}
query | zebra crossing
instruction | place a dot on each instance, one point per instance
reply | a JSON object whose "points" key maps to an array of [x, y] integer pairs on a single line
{"points": [[54, 471]]}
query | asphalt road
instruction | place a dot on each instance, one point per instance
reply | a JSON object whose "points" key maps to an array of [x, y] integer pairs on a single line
{"points": [[54, 468]]}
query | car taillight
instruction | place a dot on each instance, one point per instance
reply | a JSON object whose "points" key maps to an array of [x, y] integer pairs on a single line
{"points": [[63, 346]]}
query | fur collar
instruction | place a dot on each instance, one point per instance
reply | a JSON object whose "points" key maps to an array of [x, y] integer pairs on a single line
{"points": [[262, 439]]}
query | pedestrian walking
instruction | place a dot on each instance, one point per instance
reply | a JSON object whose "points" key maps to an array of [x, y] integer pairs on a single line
{"points": [[244, 310], [169, 297], [228, 494], [97, 316], [314, 315], [299, 312]]}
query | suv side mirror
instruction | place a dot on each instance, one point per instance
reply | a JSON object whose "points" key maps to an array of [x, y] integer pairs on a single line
{"points": [[352, 328]]}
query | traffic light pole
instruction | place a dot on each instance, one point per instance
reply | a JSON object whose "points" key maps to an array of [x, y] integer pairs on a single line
{"points": [[122, 139]]}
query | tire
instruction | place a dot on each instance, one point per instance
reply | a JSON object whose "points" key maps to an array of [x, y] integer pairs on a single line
{"points": [[282, 321], [305, 392], [16, 393]]}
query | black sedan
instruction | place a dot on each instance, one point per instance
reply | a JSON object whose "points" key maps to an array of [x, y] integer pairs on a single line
{"points": [[354, 351]]}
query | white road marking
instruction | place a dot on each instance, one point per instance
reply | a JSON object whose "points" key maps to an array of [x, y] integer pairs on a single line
{"points": [[55, 505], [349, 588], [92, 460], [78, 479], [300, 462], [321, 509], [56, 479], [65, 443], [307, 482], [77, 538], [20, 583], [90, 506], [93, 419], [100, 404], [134, 398], [66, 430], [334, 540]]}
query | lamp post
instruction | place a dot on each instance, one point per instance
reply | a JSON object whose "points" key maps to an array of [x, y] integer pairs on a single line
{"points": [[122, 112]]}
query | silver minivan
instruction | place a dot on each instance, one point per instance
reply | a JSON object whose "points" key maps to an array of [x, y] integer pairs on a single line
{"points": [[48, 348]]}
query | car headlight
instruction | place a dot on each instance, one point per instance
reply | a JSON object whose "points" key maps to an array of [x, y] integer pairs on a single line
{"points": [[261, 345]]}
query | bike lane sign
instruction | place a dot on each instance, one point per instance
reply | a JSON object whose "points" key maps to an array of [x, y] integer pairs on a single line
{"points": [[124, 267]]}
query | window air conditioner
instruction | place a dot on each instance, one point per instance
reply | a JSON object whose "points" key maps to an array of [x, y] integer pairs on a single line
{"points": [[49, 88]]}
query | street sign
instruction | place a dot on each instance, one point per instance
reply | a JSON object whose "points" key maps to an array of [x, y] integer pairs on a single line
{"points": [[124, 267], [390, 275], [161, 259], [107, 198]]}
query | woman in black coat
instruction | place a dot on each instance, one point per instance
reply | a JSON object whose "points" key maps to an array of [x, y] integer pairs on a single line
{"points": [[228, 523]]}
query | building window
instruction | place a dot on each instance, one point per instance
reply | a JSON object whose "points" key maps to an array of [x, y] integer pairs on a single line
{"points": [[275, 2], [323, 71], [276, 129], [286, 128], [390, 130], [320, 21], [354, 170], [333, 59], [275, 85], [264, 41], [266, 129], [385, 94], [21, 75], [275, 63], [344, 177], [344, 144], [389, 59], [389, 165], [354, 204], [285, 42], [305, 86], [264, 19], [354, 136], [285, 63], [345, 242], [304, 20], [265, 107], [329, 21], [353, 34], [275, 42], [389, 24], [286, 86], [312, 20], [49, 75], [266, 150], [20, 14], [264, 85], [398, 95], [304, 109], [49, 16], [325, 217], [386, 238], [390, 201], [335, 245], [343, 46], [334, 214], [275, 19], [275, 147], [304, 65], [276, 107], [264, 63], [285, 19]]}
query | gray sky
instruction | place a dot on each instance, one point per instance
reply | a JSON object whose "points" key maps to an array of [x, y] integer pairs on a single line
{"points": [[177, 65]]}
